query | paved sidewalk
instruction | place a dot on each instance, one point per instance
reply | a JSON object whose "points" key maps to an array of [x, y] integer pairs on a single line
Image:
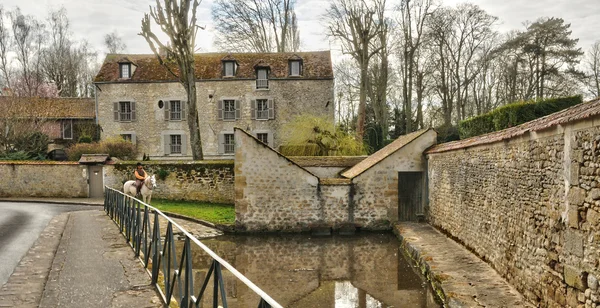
{"points": [[456, 273]]}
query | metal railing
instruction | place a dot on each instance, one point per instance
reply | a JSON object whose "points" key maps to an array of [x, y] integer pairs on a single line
{"points": [[133, 218], [262, 83]]}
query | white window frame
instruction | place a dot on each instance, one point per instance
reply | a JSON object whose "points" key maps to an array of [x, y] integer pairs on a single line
{"points": [[176, 143], [66, 125], [229, 110], [262, 82], [269, 134], [125, 70], [131, 138], [175, 110], [262, 109], [229, 144], [232, 68], [299, 67]]}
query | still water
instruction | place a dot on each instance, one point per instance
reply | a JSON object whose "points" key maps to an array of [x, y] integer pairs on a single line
{"points": [[364, 270]]}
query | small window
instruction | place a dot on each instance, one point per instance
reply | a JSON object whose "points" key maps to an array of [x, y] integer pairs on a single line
{"points": [[67, 129], [263, 137], [127, 137], [295, 68], [229, 144], [262, 78], [175, 144], [229, 68], [262, 109], [175, 110], [125, 111], [125, 70], [229, 109]]}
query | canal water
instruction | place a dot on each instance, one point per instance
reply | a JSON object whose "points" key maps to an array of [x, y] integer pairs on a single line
{"points": [[366, 270]]}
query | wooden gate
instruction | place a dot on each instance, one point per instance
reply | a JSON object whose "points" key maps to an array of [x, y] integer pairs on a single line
{"points": [[410, 192]]}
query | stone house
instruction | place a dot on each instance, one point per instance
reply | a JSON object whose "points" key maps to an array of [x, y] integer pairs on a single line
{"points": [[63, 119], [141, 101]]}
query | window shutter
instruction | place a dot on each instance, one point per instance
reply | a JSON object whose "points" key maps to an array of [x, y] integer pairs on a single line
{"points": [[220, 110], [167, 144], [116, 111], [224, 72], [253, 109], [167, 106], [271, 107], [238, 110], [183, 110], [133, 139], [133, 118], [221, 143], [184, 144], [270, 139]]}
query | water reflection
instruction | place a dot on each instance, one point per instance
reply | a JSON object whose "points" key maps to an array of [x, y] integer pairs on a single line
{"points": [[360, 271]]}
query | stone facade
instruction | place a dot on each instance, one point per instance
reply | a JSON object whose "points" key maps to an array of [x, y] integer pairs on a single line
{"points": [[59, 180], [528, 206], [290, 97], [274, 193], [207, 181]]}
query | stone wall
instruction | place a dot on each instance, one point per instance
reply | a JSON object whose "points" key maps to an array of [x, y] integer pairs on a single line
{"points": [[208, 181], [376, 189], [60, 180], [291, 98], [529, 206]]}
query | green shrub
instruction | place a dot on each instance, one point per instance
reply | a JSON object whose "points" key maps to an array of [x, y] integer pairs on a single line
{"points": [[19, 155], [162, 174], [85, 139], [75, 151], [34, 144], [117, 147], [512, 115]]}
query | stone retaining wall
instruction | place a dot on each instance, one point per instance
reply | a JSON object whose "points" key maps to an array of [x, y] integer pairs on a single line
{"points": [[530, 207], [209, 181], [43, 179]]}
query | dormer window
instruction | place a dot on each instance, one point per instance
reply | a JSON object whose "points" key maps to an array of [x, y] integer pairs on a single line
{"points": [[229, 68], [262, 78], [124, 70], [295, 67]]}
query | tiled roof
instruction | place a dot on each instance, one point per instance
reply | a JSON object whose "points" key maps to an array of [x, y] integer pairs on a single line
{"points": [[380, 155], [47, 108], [577, 112], [316, 65], [327, 161]]}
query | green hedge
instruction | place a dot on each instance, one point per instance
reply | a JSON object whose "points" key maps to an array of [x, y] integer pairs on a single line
{"points": [[513, 115]]}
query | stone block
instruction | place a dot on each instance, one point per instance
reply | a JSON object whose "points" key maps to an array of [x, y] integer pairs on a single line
{"points": [[576, 196], [592, 282], [574, 174], [594, 194], [572, 297], [573, 216], [575, 278], [573, 243], [592, 217]]}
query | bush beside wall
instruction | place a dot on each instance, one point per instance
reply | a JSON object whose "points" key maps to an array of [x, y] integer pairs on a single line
{"points": [[513, 115]]}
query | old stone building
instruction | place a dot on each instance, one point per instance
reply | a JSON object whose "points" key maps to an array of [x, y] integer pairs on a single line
{"points": [[140, 100]]}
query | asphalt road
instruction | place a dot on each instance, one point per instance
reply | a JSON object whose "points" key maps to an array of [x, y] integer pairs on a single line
{"points": [[20, 225]]}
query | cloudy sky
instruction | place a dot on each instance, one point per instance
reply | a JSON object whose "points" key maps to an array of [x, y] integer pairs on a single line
{"points": [[92, 19]]}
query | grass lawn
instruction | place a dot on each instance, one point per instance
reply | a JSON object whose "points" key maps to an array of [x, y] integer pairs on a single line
{"points": [[211, 212]]}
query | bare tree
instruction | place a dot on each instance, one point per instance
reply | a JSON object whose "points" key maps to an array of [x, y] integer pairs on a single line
{"points": [[173, 18], [411, 20], [5, 43], [592, 63], [114, 43], [355, 25], [256, 25], [28, 35]]}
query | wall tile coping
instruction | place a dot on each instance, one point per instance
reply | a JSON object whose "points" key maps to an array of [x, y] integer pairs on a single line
{"points": [[577, 112], [380, 155]]}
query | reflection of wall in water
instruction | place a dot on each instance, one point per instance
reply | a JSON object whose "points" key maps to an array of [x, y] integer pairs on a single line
{"points": [[298, 272]]}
